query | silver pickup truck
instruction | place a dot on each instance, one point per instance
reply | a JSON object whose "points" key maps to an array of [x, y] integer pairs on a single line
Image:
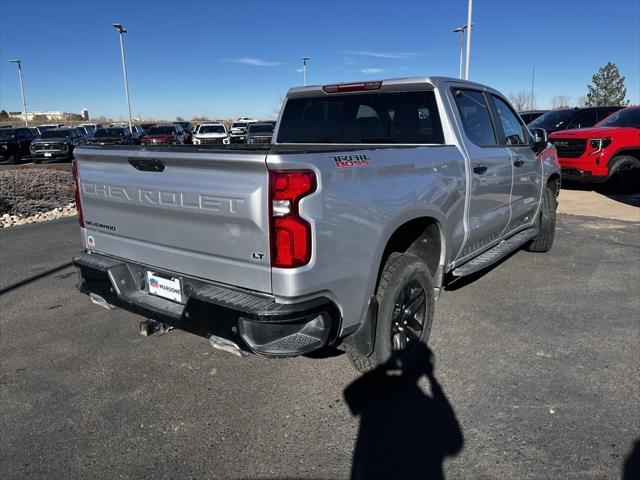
{"points": [[341, 233]]}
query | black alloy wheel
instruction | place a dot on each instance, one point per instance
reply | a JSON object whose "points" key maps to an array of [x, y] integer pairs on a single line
{"points": [[407, 321]]}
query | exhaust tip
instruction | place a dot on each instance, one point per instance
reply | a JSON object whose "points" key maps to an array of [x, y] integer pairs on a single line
{"points": [[98, 300], [225, 345]]}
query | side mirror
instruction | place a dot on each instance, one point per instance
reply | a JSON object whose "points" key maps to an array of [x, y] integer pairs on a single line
{"points": [[540, 139]]}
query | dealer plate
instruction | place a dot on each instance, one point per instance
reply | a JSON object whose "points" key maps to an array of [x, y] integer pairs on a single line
{"points": [[161, 286], [47, 154]]}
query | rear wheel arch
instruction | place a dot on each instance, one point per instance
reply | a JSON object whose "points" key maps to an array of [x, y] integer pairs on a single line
{"points": [[422, 237]]}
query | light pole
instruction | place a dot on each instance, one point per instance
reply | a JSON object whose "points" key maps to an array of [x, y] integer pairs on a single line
{"points": [[24, 103], [469, 25], [461, 31], [121, 30], [304, 69], [533, 76]]}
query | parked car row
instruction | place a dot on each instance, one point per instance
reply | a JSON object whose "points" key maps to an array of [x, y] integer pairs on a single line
{"points": [[610, 149], [594, 144], [59, 141], [569, 118]]}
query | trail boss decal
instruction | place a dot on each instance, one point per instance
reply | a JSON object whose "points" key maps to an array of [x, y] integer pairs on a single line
{"points": [[358, 160]]}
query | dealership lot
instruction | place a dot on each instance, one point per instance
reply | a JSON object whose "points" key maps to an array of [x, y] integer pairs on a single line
{"points": [[538, 358]]}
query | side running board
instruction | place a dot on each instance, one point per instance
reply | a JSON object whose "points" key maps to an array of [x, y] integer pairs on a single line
{"points": [[494, 254]]}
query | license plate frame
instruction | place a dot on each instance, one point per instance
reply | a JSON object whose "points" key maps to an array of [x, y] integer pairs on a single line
{"points": [[164, 286]]}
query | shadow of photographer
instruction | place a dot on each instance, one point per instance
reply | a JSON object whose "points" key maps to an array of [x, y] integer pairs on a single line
{"points": [[404, 433]]}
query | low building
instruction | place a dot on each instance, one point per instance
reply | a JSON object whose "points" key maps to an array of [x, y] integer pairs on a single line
{"points": [[50, 116]]}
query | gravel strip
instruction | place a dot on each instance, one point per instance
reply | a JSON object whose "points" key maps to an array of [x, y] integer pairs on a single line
{"points": [[68, 210]]}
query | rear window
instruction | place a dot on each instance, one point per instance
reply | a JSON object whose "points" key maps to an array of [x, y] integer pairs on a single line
{"points": [[162, 130], [629, 117], [393, 117], [58, 133], [260, 128], [110, 132], [7, 132], [211, 129], [553, 119]]}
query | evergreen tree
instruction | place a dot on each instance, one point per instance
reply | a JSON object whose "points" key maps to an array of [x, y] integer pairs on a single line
{"points": [[608, 88]]}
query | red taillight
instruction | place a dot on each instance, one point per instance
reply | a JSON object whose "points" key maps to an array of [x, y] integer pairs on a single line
{"points": [[352, 87], [290, 233], [76, 189]]}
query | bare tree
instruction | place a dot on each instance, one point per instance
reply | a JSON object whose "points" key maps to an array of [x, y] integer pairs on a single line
{"points": [[582, 101], [521, 101], [560, 101]]}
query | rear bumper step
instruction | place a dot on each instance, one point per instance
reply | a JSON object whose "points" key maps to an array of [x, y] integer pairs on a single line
{"points": [[255, 323]]}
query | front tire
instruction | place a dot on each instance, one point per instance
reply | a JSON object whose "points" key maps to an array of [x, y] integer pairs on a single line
{"points": [[405, 314], [546, 224], [37, 160], [625, 172]]}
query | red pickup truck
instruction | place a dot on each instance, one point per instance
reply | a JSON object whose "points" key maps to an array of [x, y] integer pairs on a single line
{"points": [[611, 147]]}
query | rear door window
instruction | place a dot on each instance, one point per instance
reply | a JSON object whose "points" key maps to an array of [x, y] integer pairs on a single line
{"points": [[475, 116], [381, 117], [585, 119], [604, 113], [513, 130]]}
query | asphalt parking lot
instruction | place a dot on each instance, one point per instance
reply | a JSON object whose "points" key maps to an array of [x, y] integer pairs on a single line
{"points": [[538, 360]]}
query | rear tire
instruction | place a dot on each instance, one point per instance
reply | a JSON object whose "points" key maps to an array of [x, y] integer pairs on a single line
{"points": [[13, 159], [405, 314], [546, 224]]}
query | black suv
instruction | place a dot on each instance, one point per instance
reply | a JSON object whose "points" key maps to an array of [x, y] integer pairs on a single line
{"points": [[14, 143], [260, 132], [567, 118], [56, 143], [114, 136], [529, 116]]}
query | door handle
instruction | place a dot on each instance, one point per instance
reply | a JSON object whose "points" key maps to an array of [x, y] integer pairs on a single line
{"points": [[480, 169], [518, 163], [147, 164]]}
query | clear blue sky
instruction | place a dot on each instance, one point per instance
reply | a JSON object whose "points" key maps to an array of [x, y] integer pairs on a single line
{"points": [[227, 59]]}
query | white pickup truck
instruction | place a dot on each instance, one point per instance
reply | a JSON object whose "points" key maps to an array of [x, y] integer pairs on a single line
{"points": [[341, 233], [211, 133]]}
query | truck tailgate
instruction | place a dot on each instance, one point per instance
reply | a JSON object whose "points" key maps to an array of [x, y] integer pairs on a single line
{"points": [[197, 213]]}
